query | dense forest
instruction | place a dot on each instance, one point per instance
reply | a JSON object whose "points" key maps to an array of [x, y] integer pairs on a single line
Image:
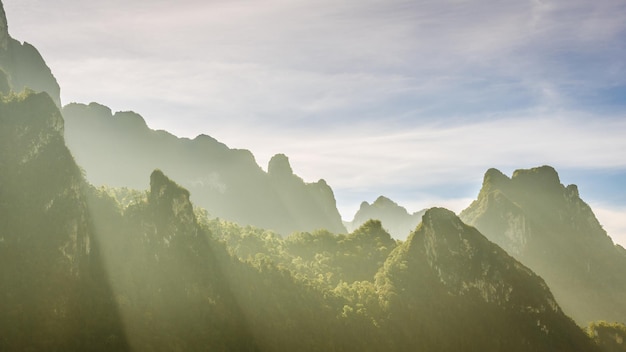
{"points": [[88, 267]]}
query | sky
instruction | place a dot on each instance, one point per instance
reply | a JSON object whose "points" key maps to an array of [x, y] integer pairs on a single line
{"points": [[413, 100]]}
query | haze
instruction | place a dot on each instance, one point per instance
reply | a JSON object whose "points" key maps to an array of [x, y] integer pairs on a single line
{"points": [[410, 99]]}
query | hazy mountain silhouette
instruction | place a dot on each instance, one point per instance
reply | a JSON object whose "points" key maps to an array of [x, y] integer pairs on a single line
{"points": [[548, 227], [395, 219], [119, 150], [24, 65]]}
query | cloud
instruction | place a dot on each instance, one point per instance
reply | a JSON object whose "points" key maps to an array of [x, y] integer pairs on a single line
{"points": [[411, 99]]}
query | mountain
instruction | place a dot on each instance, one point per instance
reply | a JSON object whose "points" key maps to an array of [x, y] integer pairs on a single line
{"points": [[546, 226], [448, 287], [395, 219], [119, 149], [24, 65]]}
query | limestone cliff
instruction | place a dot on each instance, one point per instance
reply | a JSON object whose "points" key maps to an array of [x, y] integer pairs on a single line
{"points": [[546, 226]]}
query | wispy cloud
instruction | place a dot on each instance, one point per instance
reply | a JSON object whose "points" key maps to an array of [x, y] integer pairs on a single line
{"points": [[398, 97]]}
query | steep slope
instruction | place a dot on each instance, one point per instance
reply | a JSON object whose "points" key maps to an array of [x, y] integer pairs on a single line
{"points": [[24, 65], [550, 229], [119, 149], [395, 219], [447, 288], [51, 278]]}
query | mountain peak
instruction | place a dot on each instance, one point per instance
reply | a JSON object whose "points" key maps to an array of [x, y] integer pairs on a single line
{"points": [[171, 203], [495, 177], [439, 214], [4, 29], [384, 201], [445, 224], [542, 177], [279, 165]]}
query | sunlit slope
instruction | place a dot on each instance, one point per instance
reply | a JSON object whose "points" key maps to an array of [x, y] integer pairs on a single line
{"points": [[550, 229], [119, 150]]}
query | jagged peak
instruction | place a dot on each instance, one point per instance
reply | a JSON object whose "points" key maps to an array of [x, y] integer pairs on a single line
{"points": [[437, 222], [279, 165], [544, 176], [442, 230], [97, 106], [495, 177], [170, 199], [383, 201], [4, 29], [131, 119], [99, 109], [161, 184], [434, 216]]}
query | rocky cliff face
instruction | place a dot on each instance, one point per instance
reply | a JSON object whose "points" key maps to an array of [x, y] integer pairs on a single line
{"points": [[546, 226]]}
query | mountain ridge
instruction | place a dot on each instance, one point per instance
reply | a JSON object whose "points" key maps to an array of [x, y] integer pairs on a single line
{"points": [[227, 182], [546, 225]]}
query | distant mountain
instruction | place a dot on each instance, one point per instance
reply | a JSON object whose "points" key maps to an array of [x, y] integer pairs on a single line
{"points": [[546, 226], [448, 288], [119, 149], [395, 219], [24, 65]]}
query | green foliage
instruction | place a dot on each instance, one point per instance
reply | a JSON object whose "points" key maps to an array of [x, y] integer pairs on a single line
{"points": [[611, 337]]}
